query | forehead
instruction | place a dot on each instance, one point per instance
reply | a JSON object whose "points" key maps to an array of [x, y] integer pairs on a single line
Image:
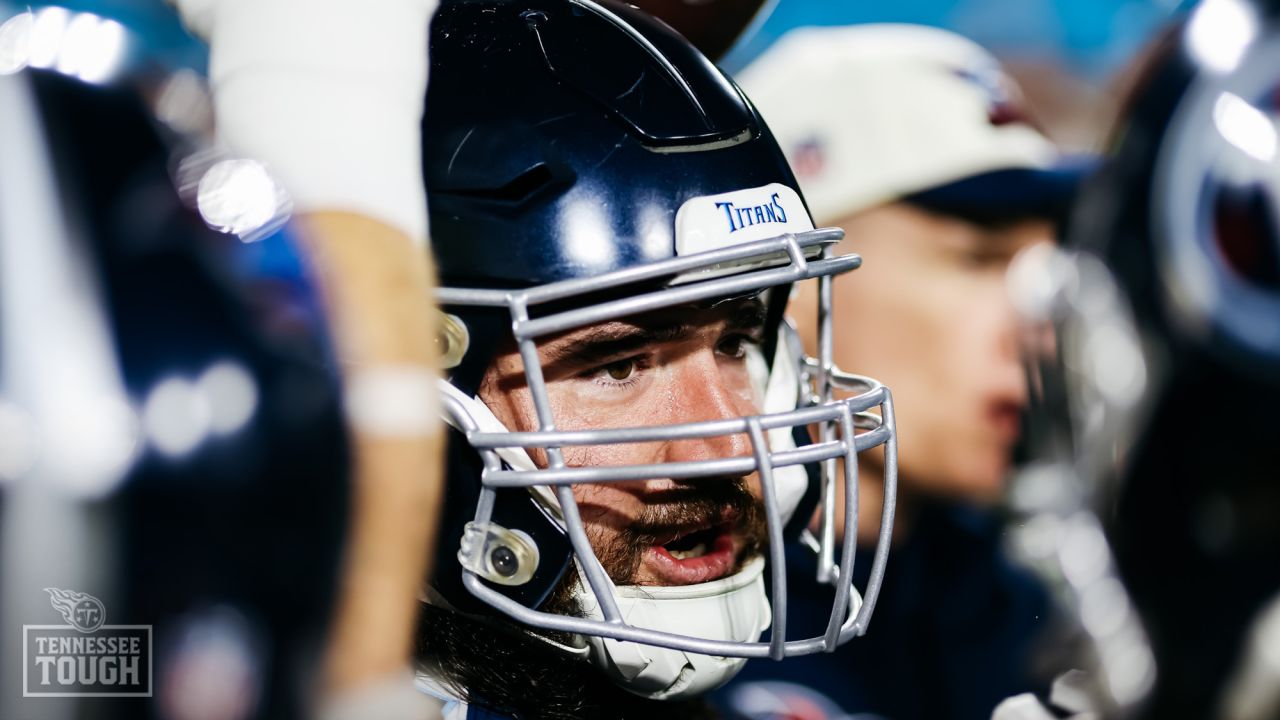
{"points": [[737, 311]]}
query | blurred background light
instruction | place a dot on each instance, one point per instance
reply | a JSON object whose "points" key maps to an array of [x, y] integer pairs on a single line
{"points": [[18, 442], [151, 25], [46, 36], [230, 394], [212, 668], [184, 103], [1040, 537], [1041, 488], [15, 42], [1132, 670], [240, 197], [1037, 279], [1117, 366], [179, 414], [92, 49], [1104, 607], [78, 42], [177, 417], [1085, 555], [1220, 31], [80, 45], [90, 442], [1246, 127]]}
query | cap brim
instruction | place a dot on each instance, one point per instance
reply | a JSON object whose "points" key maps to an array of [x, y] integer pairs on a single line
{"points": [[1011, 194]]}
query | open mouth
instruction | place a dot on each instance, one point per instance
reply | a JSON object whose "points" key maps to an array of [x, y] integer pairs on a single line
{"points": [[693, 545], [693, 556]]}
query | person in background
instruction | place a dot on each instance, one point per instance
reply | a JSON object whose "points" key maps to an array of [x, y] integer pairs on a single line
{"points": [[912, 140], [341, 132]]}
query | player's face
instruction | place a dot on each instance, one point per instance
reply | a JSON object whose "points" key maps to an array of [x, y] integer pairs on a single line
{"points": [[683, 365], [927, 315]]}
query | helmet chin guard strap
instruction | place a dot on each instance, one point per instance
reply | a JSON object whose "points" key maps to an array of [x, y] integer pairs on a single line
{"points": [[733, 608]]}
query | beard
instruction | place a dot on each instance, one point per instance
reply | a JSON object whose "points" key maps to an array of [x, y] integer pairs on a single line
{"points": [[509, 670], [697, 504]]}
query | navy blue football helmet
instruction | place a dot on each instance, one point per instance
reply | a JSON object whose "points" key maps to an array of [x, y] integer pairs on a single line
{"points": [[1154, 347], [584, 163]]}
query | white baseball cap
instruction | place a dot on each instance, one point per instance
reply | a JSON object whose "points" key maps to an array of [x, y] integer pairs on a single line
{"points": [[870, 114]]}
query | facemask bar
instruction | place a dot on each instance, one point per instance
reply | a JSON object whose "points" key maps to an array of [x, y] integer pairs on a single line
{"points": [[1078, 341], [801, 256]]}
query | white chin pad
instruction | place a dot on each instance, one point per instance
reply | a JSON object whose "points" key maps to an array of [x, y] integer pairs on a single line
{"points": [[733, 609]]}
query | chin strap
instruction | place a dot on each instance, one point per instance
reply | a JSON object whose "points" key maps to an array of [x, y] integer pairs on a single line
{"points": [[733, 608]]}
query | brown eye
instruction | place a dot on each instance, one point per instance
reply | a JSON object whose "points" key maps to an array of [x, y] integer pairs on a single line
{"points": [[621, 370], [734, 347]]}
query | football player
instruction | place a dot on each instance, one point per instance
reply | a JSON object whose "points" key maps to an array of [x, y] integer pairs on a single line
{"points": [[915, 142], [616, 233]]}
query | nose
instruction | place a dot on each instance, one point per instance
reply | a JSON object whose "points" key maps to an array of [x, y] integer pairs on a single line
{"points": [[704, 391], [1006, 328]]}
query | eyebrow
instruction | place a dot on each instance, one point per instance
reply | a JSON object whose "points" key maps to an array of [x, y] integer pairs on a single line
{"points": [[613, 340], [619, 338]]}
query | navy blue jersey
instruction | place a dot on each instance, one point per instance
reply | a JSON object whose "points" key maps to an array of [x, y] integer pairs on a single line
{"points": [[953, 633]]}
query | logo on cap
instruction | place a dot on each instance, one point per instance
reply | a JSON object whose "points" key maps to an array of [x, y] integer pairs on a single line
{"points": [[1001, 95], [808, 157]]}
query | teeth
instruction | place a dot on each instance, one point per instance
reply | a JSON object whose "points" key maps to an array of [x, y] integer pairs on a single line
{"points": [[696, 551]]}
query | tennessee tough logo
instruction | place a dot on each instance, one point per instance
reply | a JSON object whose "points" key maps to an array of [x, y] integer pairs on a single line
{"points": [[82, 611], [86, 657]]}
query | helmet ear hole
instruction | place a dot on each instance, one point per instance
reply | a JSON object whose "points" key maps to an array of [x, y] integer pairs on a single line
{"points": [[453, 340]]}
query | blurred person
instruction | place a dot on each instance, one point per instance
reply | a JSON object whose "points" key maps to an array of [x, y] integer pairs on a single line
{"points": [[173, 464], [913, 141], [1152, 339], [617, 234], [341, 132]]}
